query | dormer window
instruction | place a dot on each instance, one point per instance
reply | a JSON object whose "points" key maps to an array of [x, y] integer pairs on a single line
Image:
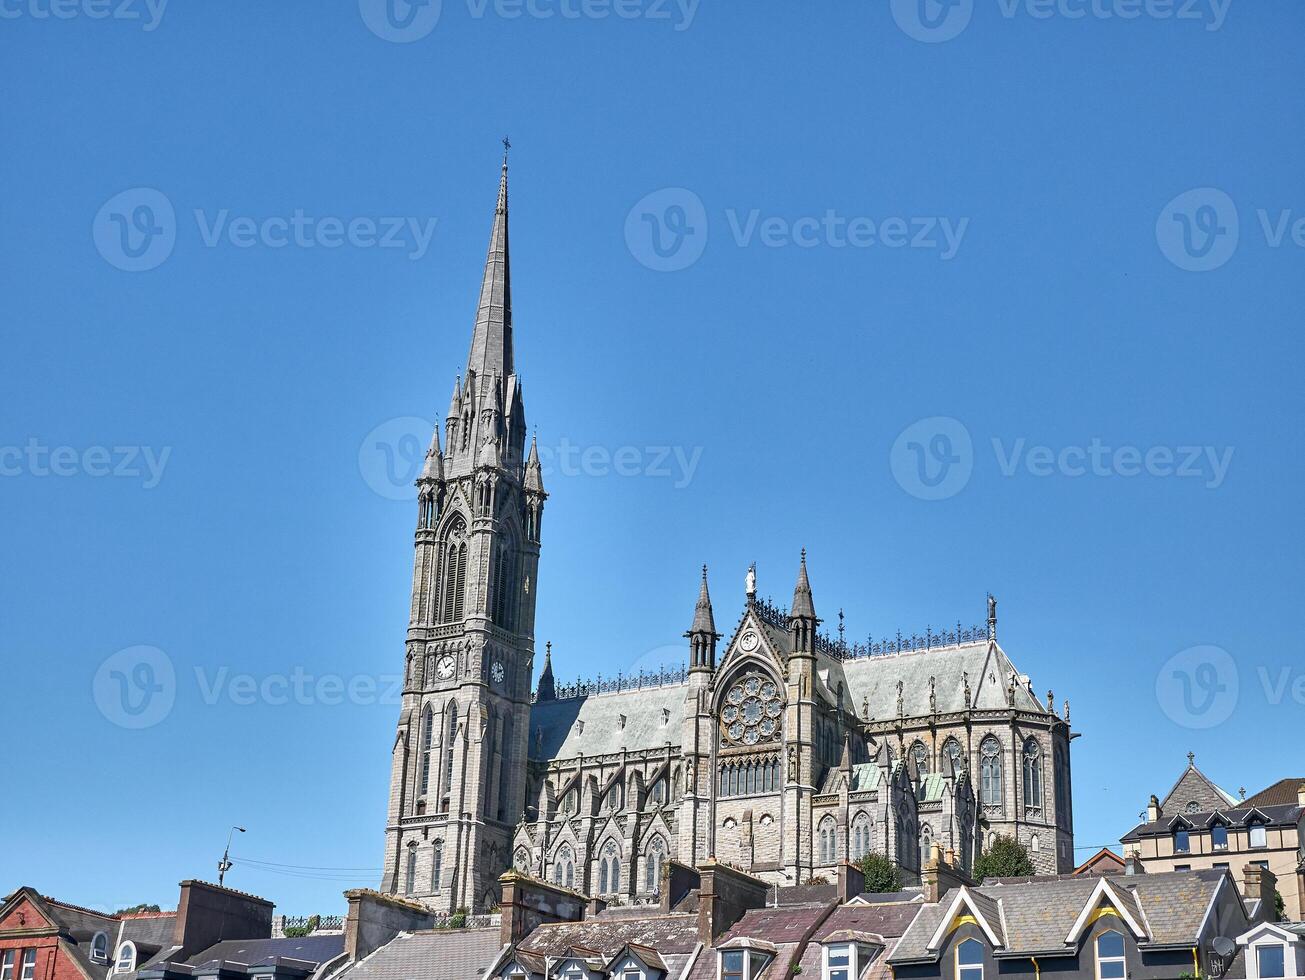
{"points": [[1271, 961], [969, 960], [1219, 837], [847, 961], [1111, 963], [1259, 835], [126, 959], [100, 948], [1182, 841], [742, 964]]}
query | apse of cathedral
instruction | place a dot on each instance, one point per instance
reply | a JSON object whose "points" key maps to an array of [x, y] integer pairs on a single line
{"points": [[776, 749]]}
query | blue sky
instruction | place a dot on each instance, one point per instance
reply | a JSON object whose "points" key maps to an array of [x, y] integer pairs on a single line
{"points": [[801, 358]]}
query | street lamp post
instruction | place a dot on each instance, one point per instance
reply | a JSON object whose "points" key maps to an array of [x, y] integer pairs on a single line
{"points": [[225, 864]]}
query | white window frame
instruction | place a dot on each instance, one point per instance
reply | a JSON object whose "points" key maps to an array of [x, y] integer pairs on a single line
{"points": [[127, 948], [1286, 962], [100, 948], [7, 964], [1251, 832], [959, 974], [1099, 959], [859, 958], [28, 967], [755, 963]]}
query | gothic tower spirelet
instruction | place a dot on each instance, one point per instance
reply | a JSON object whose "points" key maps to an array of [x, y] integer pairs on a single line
{"points": [[464, 720]]}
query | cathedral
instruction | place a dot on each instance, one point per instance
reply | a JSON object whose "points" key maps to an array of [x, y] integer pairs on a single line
{"points": [[776, 749]]}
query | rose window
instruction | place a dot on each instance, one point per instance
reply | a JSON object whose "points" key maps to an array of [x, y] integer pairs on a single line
{"points": [[751, 713]]}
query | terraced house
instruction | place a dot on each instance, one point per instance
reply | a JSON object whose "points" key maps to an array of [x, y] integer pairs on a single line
{"points": [[777, 748], [1198, 825]]}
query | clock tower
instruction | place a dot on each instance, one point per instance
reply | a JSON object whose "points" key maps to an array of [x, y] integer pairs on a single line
{"points": [[455, 785]]}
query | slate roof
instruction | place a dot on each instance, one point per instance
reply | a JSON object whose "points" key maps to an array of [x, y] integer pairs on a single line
{"points": [[1284, 791], [435, 954], [784, 927], [875, 678], [1194, 786], [647, 725], [313, 949], [888, 920], [1286, 815], [673, 935], [150, 931], [1035, 916]]}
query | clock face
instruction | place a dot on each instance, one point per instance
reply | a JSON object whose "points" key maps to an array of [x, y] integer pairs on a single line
{"points": [[749, 642], [444, 667], [496, 672]]}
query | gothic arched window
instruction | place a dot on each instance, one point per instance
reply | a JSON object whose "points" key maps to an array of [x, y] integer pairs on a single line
{"points": [[920, 761], [449, 742], [410, 880], [652, 866], [614, 799], [609, 869], [564, 867], [1032, 774], [503, 590], [436, 865], [990, 771], [455, 570], [427, 740], [521, 860], [953, 756], [828, 838], [926, 842], [861, 844]]}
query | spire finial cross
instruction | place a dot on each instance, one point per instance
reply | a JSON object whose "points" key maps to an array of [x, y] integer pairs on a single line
{"points": [[507, 145]]}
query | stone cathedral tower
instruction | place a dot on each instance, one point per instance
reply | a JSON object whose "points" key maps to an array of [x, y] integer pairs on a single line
{"points": [[455, 786]]}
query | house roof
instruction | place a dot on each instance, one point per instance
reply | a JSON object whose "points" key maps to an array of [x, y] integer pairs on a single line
{"points": [[1286, 815], [1194, 786], [435, 954], [1037, 915], [673, 935], [1284, 791], [1104, 861], [313, 949]]}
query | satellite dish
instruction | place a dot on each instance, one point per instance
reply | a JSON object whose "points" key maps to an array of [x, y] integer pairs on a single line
{"points": [[1224, 947]]}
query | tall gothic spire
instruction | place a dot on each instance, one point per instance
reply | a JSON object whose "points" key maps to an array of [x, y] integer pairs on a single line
{"points": [[491, 344], [802, 604], [703, 622]]}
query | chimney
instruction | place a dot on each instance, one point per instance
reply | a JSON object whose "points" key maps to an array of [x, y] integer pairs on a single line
{"points": [[1133, 863], [938, 877], [725, 895], [1261, 885], [208, 914], [851, 882], [528, 902], [1300, 793], [374, 919], [1153, 811]]}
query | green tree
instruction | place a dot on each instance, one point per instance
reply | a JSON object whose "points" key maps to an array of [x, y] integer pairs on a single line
{"points": [[142, 907], [880, 874], [1005, 858]]}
